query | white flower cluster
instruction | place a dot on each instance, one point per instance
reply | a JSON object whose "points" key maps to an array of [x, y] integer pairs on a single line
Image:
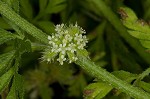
{"points": [[66, 42]]}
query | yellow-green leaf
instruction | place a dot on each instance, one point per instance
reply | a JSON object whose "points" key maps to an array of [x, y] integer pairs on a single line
{"points": [[96, 90]]}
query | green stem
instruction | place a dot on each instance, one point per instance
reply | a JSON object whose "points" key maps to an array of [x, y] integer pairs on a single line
{"points": [[141, 76], [6, 11], [114, 20], [101, 73]]}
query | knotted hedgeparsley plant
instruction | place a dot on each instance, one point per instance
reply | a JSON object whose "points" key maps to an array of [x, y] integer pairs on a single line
{"points": [[67, 43]]}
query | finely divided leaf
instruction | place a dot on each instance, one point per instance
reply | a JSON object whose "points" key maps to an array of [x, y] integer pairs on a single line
{"points": [[124, 75], [6, 36], [5, 79], [23, 46], [140, 35], [46, 92], [5, 61], [20, 86], [144, 85], [12, 94], [77, 86], [43, 4], [3, 24], [145, 43], [17, 88], [96, 90], [138, 28], [26, 9], [46, 26], [55, 6]]}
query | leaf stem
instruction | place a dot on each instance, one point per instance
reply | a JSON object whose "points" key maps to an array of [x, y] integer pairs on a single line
{"points": [[6, 11], [100, 73]]}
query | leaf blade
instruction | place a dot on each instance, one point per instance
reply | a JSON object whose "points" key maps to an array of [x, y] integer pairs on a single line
{"points": [[6, 36], [5, 79], [5, 61]]}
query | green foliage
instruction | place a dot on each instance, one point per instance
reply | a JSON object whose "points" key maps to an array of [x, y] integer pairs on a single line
{"points": [[6, 36], [138, 28], [6, 60], [55, 6], [77, 85], [96, 90], [24, 29], [17, 88], [144, 85], [5, 79], [26, 9]]}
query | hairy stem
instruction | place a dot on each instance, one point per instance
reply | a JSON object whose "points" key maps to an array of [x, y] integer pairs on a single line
{"points": [[114, 20], [102, 74], [6, 11]]}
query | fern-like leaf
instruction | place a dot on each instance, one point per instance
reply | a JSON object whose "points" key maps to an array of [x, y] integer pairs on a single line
{"points": [[5, 79], [17, 89], [5, 61], [6, 36], [138, 28]]}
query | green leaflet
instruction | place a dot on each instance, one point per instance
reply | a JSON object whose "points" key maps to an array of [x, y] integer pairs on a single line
{"points": [[146, 7], [26, 9], [17, 88], [12, 94], [5, 61], [6, 36], [101, 89], [23, 46], [144, 74], [77, 85], [49, 7], [55, 6], [46, 26], [46, 92], [145, 43], [96, 90], [120, 52], [141, 76], [140, 35], [127, 76], [137, 28], [87, 4], [144, 85], [43, 4], [4, 24], [5, 79]]}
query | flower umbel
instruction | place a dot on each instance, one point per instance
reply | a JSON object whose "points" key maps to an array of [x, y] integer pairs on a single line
{"points": [[67, 43]]}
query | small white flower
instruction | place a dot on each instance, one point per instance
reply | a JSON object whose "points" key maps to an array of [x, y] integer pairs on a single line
{"points": [[65, 43], [49, 38], [48, 59]]}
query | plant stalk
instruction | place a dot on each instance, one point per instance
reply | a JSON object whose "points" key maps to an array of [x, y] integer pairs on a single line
{"points": [[100, 73], [7, 12]]}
